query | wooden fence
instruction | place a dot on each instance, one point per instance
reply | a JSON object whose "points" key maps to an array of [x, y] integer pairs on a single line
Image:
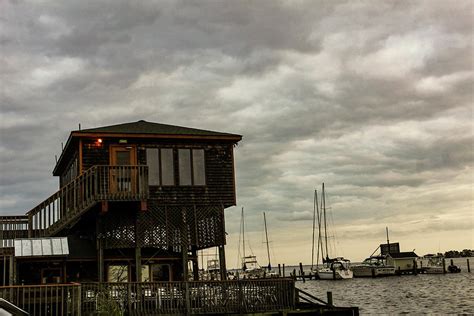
{"points": [[155, 298], [60, 299]]}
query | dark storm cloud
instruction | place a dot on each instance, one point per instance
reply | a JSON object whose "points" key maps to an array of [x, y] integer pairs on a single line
{"points": [[374, 98]]}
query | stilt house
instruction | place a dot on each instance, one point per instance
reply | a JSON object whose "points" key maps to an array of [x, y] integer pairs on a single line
{"points": [[136, 201]]}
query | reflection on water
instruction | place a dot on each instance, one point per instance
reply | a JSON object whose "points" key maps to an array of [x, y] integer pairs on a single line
{"points": [[421, 294]]}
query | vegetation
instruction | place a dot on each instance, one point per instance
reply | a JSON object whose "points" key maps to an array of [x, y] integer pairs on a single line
{"points": [[458, 254]]}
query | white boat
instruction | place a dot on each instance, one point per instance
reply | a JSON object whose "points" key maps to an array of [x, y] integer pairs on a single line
{"points": [[251, 269], [332, 269], [338, 269], [432, 264], [373, 266]]}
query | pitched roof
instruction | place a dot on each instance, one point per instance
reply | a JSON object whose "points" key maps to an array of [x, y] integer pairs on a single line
{"points": [[409, 254], [144, 127]]}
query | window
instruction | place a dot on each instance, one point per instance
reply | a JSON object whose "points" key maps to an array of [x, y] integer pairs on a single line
{"points": [[117, 273], [192, 167], [160, 166]]}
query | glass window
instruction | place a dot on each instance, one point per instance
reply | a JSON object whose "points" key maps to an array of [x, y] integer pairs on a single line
{"points": [[199, 171], [145, 273], [160, 272], [152, 161], [185, 167], [117, 273], [167, 169]]}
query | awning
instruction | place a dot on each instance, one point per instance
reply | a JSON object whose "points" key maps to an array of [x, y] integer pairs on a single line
{"points": [[36, 247]]}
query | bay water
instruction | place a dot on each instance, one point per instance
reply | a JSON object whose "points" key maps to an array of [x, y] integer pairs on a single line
{"points": [[451, 293]]}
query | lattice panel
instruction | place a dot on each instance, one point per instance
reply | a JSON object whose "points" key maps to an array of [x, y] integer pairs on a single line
{"points": [[209, 226], [170, 228], [119, 229]]}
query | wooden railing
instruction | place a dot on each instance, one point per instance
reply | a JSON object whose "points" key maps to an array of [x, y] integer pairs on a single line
{"points": [[57, 299], [12, 227], [111, 183], [195, 297]]}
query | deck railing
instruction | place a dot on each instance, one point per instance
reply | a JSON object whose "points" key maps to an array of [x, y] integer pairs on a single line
{"points": [[12, 227], [111, 183], [57, 299], [154, 298]]}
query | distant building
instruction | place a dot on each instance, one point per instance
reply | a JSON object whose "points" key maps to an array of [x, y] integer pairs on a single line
{"points": [[402, 261]]}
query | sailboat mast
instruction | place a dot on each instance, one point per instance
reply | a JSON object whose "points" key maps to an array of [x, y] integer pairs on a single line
{"points": [[325, 223], [314, 222], [243, 233], [266, 237]]}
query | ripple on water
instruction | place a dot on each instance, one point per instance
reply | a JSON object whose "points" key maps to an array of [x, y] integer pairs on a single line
{"points": [[421, 294]]}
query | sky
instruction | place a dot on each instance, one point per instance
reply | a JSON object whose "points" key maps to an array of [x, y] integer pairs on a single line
{"points": [[373, 98]]}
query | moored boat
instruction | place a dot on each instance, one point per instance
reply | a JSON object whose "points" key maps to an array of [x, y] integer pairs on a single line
{"points": [[337, 269], [373, 266]]}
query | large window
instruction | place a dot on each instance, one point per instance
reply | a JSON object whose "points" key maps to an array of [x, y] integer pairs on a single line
{"points": [[192, 169], [160, 166]]}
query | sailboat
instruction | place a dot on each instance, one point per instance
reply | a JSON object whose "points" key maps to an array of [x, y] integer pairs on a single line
{"points": [[250, 267], [335, 268]]}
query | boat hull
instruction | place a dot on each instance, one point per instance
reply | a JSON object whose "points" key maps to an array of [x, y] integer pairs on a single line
{"points": [[368, 271], [328, 274]]}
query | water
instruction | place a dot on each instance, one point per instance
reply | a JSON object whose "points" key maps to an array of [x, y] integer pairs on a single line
{"points": [[407, 294]]}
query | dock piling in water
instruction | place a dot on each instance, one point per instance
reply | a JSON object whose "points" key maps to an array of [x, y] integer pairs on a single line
{"points": [[329, 298], [444, 266], [468, 266]]}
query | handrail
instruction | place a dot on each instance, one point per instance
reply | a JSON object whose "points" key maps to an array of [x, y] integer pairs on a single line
{"points": [[310, 296], [100, 182]]}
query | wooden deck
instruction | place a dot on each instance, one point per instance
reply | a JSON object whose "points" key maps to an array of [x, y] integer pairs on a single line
{"points": [[155, 298]]}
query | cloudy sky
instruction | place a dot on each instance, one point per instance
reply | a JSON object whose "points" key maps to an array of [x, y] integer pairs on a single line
{"points": [[373, 98]]}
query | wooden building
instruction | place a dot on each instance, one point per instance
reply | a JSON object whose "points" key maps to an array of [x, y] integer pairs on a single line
{"points": [[136, 201], [402, 261]]}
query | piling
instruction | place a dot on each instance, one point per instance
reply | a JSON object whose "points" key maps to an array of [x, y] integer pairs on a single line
{"points": [[302, 272], [329, 298], [451, 261], [333, 273], [414, 267], [444, 266], [468, 266], [373, 272], [284, 270], [279, 270]]}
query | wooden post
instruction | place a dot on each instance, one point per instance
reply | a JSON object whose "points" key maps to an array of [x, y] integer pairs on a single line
{"points": [[279, 268], [195, 263], [444, 266], [284, 270], [302, 272], [468, 266], [414, 267], [333, 273], [12, 270], [451, 261], [138, 264], [294, 274], [222, 263], [373, 272], [329, 298]]}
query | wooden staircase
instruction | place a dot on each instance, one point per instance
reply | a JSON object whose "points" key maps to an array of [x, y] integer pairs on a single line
{"points": [[99, 183]]}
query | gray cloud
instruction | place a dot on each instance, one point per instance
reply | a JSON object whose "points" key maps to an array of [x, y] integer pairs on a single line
{"points": [[375, 100]]}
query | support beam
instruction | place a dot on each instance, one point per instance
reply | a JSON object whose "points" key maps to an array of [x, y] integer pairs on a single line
{"points": [[195, 263], [11, 271], [222, 264], [138, 264]]}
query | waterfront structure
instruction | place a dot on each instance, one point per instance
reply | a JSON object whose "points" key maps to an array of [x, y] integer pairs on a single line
{"points": [[136, 201], [402, 261]]}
